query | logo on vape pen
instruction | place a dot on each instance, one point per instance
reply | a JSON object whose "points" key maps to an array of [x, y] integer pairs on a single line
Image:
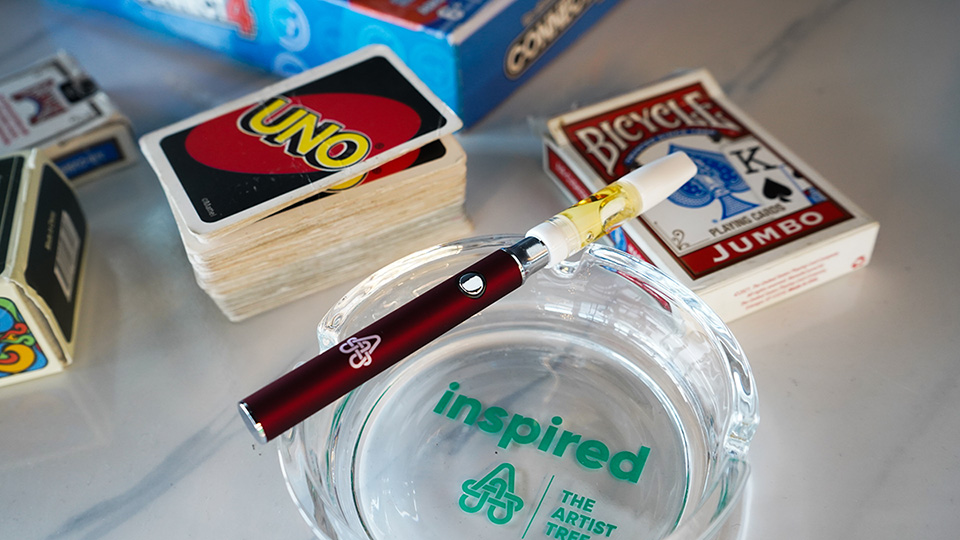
{"points": [[495, 492], [360, 350]]}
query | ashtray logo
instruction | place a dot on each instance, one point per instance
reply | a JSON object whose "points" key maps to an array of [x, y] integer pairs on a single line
{"points": [[322, 145], [542, 31], [495, 491], [360, 350], [523, 430]]}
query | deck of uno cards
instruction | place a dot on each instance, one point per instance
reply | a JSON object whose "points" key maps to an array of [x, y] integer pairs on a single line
{"points": [[317, 179], [408, 204], [754, 226], [247, 159]]}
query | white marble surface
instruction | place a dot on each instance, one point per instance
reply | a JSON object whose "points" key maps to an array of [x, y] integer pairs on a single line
{"points": [[859, 379]]}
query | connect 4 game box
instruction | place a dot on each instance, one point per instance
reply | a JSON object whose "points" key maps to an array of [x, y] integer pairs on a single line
{"points": [[756, 225], [471, 53]]}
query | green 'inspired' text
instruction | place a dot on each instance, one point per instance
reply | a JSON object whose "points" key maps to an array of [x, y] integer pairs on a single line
{"points": [[523, 430]]}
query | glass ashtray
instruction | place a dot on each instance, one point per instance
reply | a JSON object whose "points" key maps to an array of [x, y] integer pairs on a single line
{"points": [[601, 399]]}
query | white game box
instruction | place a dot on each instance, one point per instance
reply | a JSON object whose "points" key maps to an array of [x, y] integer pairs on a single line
{"points": [[56, 106]]}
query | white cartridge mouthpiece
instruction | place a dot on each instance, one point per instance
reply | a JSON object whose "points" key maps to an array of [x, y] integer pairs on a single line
{"points": [[658, 179], [636, 192]]}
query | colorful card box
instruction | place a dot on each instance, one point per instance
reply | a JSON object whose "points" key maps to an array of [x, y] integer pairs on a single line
{"points": [[471, 53], [755, 226], [42, 248], [56, 106]]}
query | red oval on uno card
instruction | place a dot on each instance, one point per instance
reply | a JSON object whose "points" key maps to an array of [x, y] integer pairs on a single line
{"points": [[284, 147]]}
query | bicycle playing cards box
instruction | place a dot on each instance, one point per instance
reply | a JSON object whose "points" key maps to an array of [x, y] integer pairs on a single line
{"points": [[309, 181], [42, 245], [55, 105], [756, 225]]}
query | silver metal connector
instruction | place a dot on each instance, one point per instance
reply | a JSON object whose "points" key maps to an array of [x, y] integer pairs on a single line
{"points": [[255, 428], [531, 254]]}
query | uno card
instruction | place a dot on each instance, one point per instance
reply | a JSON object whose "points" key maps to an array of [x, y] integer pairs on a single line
{"points": [[323, 128], [750, 195], [440, 155], [434, 155]]}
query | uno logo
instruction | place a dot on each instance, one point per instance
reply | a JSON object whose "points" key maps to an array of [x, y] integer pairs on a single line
{"points": [[324, 145], [302, 134]]}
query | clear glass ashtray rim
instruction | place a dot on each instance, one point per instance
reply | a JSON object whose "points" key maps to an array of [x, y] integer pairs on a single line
{"points": [[329, 329], [703, 522]]}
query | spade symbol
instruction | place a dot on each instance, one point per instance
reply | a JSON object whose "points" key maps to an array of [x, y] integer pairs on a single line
{"points": [[776, 190]]}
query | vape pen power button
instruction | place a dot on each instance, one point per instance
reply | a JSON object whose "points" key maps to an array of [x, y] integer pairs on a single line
{"points": [[472, 284]]}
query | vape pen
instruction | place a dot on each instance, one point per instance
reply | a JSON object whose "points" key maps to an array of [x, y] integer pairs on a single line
{"points": [[318, 382]]}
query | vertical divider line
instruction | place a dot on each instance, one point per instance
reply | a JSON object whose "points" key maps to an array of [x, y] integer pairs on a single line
{"points": [[534, 516]]}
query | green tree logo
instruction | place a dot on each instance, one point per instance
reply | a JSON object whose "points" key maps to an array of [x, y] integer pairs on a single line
{"points": [[495, 492]]}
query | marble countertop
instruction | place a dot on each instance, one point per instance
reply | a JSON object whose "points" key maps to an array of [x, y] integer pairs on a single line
{"points": [[859, 379]]}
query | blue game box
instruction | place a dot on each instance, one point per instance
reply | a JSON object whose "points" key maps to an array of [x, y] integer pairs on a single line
{"points": [[472, 53]]}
